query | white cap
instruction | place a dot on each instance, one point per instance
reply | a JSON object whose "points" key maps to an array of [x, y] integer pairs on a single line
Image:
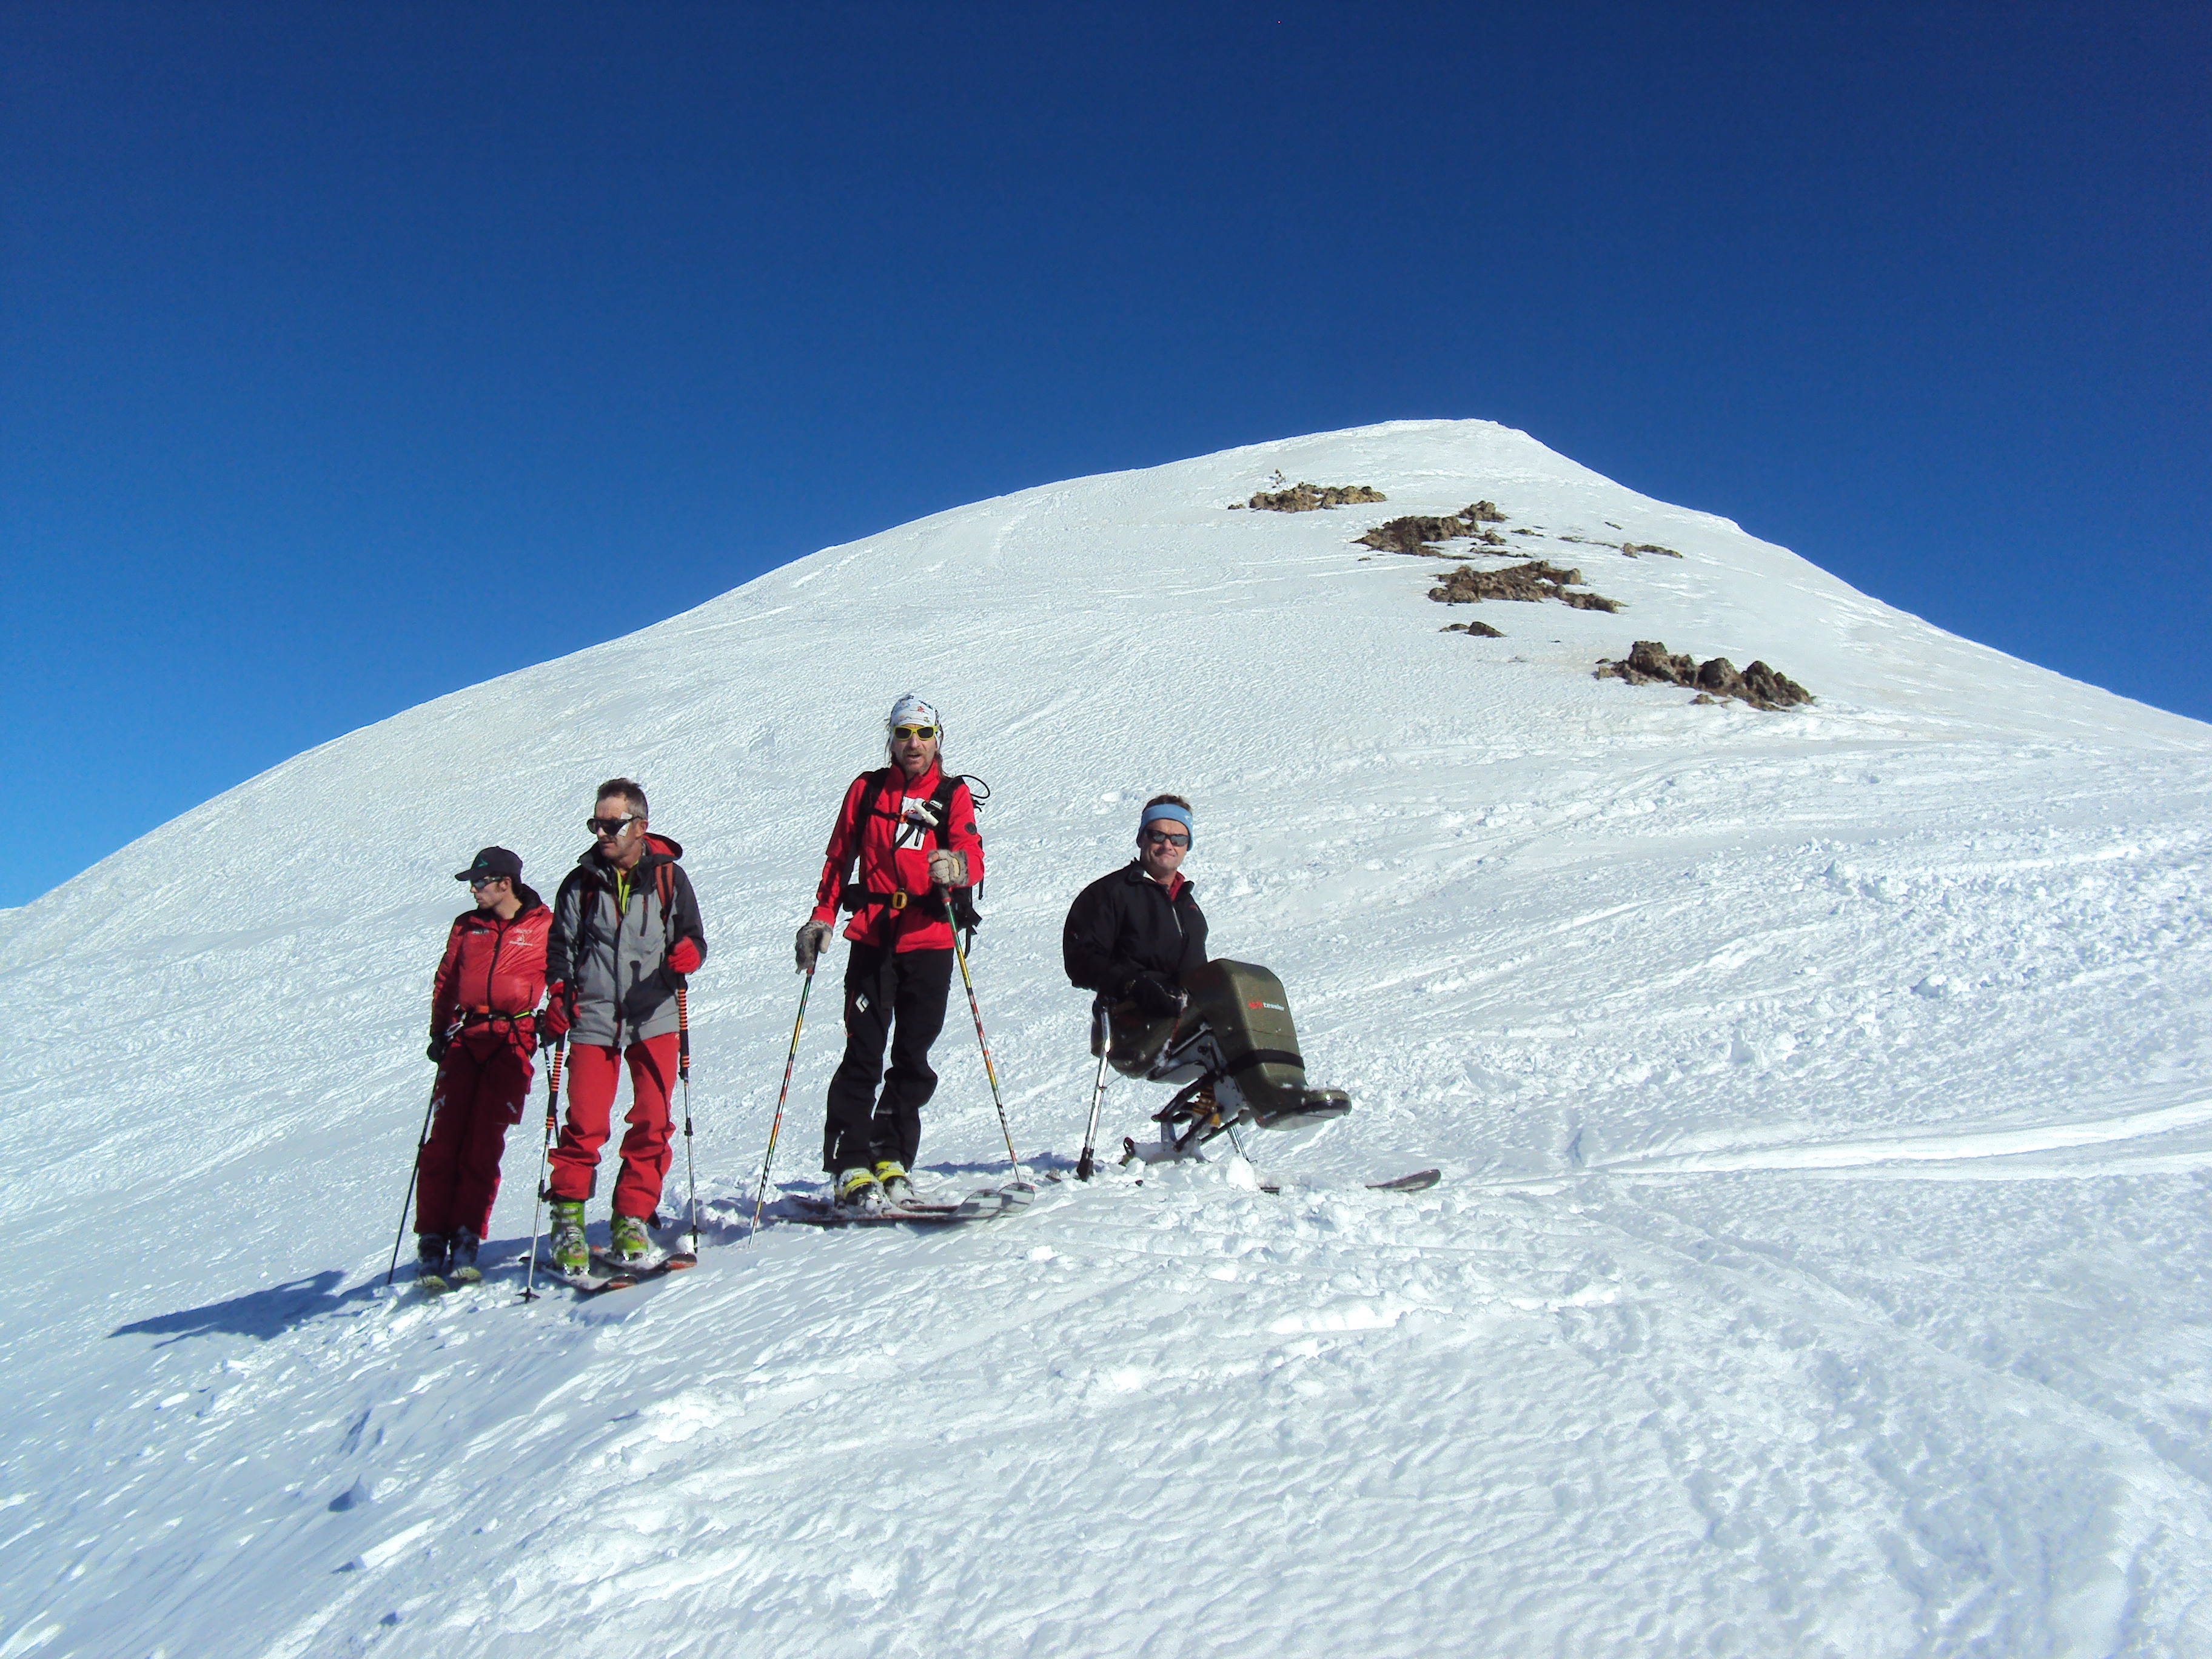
{"points": [[910, 710]]}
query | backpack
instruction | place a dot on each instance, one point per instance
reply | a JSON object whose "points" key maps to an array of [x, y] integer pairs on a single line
{"points": [[964, 916]]}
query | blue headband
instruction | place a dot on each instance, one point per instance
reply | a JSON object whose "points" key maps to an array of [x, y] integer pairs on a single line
{"points": [[1167, 809]]}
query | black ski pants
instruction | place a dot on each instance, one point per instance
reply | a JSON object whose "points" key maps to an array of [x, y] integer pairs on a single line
{"points": [[898, 994]]}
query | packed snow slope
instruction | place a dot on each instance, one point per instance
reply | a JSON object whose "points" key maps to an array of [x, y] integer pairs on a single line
{"points": [[1825, 1102]]}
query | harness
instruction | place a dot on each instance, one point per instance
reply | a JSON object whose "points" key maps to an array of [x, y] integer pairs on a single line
{"points": [[852, 895], [484, 1013]]}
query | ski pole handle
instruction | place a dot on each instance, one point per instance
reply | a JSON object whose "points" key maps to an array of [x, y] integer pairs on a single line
{"points": [[683, 1033]]}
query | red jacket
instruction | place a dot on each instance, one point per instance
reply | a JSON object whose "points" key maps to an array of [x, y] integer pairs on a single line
{"points": [[490, 966], [894, 857]]}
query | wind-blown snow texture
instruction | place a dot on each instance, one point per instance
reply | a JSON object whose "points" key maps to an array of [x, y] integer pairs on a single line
{"points": [[1823, 1097]]}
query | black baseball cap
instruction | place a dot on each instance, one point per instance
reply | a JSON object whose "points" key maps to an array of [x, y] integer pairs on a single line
{"points": [[489, 865]]}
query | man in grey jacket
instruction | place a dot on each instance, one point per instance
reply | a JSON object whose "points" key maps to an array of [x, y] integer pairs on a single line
{"points": [[626, 931]]}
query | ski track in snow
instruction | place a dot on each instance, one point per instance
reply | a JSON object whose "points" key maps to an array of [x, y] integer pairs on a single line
{"points": [[1823, 1097]]}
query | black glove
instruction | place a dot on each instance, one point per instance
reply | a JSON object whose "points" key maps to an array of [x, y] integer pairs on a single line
{"points": [[1155, 995], [437, 1049]]}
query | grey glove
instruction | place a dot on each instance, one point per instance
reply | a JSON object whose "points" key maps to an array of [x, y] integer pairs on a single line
{"points": [[813, 940], [948, 868]]}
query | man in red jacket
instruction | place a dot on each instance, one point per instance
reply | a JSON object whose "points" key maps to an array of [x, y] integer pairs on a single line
{"points": [[483, 1031], [911, 831]]}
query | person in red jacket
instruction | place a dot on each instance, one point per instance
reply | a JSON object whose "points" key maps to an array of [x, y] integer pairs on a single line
{"points": [[483, 1033], [908, 833]]}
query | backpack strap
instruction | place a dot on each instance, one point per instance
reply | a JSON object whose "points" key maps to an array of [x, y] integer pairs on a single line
{"points": [[852, 895], [961, 912], [963, 899]]}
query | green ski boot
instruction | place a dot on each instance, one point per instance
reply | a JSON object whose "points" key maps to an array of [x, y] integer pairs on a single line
{"points": [[629, 1245], [571, 1255]]}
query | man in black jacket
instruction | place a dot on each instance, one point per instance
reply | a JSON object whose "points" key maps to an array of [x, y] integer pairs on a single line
{"points": [[1138, 938], [1135, 933]]}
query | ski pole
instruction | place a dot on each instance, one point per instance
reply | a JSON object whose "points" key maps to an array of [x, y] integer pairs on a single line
{"points": [[683, 1071], [1102, 1035], [775, 1129], [989, 1071], [544, 1155], [407, 1203]]}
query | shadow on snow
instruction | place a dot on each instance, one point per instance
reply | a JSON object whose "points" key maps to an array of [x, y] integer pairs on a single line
{"points": [[260, 1314]]}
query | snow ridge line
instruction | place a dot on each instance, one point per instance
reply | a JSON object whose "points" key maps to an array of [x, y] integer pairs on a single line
{"points": [[1988, 1143]]}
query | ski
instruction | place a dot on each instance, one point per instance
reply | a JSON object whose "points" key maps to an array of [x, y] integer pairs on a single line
{"points": [[987, 1204], [612, 1278], [1419, 1181], [675, 1263], [584, 1284]]}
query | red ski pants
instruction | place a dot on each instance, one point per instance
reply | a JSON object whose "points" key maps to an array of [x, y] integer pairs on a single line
{"points": [[482, 1084], [593, 1072]]}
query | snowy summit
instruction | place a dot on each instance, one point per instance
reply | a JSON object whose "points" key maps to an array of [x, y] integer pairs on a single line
{"points": [[1820, 1095]]}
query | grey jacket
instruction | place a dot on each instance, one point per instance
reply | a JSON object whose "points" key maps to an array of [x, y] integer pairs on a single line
{"points": [[612, 959]]}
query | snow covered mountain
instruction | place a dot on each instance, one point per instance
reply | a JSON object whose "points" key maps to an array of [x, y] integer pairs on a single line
{"points": [[1822, 1097]]}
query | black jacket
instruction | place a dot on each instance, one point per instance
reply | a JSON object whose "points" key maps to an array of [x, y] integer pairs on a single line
{"points": [[1127, 924]]}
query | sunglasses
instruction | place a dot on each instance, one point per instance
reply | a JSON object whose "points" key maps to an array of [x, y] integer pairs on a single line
{"points": [[477, 884], [610, 827], [902, 733], [1172, 838]]}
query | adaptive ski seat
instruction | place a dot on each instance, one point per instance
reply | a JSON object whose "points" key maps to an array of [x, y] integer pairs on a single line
{"points": [[1234, 1049]]}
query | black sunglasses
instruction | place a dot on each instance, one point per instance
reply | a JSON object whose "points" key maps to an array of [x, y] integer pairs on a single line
{"points": [[609, 827], [1172, 838], [477, 884]]}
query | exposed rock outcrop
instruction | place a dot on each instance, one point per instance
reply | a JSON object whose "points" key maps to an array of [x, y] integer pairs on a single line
{"points": [[1532, 581], [1648, 663], [1476, 629], [1304, 497], [1418, 534]]}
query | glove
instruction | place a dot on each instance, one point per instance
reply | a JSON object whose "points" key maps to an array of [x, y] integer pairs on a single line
{"points": [[813, 940], [948, 868], [554, 1021], [683, 957], [1155, 995], [436, 1051]]}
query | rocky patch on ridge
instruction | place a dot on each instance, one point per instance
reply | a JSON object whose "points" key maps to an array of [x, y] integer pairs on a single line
{"points": [[1650, 663], [1418, 534], [1304, 497], [1531, 582]]}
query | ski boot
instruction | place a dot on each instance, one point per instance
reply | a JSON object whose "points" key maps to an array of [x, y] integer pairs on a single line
{"points": [[898, 1190], [860, 1192], [464, 1259], [433, 1253], [571, 1255], [629, 1245]]}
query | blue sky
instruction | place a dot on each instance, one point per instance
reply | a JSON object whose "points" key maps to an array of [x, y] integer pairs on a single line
{"points": [[319, 324]]}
